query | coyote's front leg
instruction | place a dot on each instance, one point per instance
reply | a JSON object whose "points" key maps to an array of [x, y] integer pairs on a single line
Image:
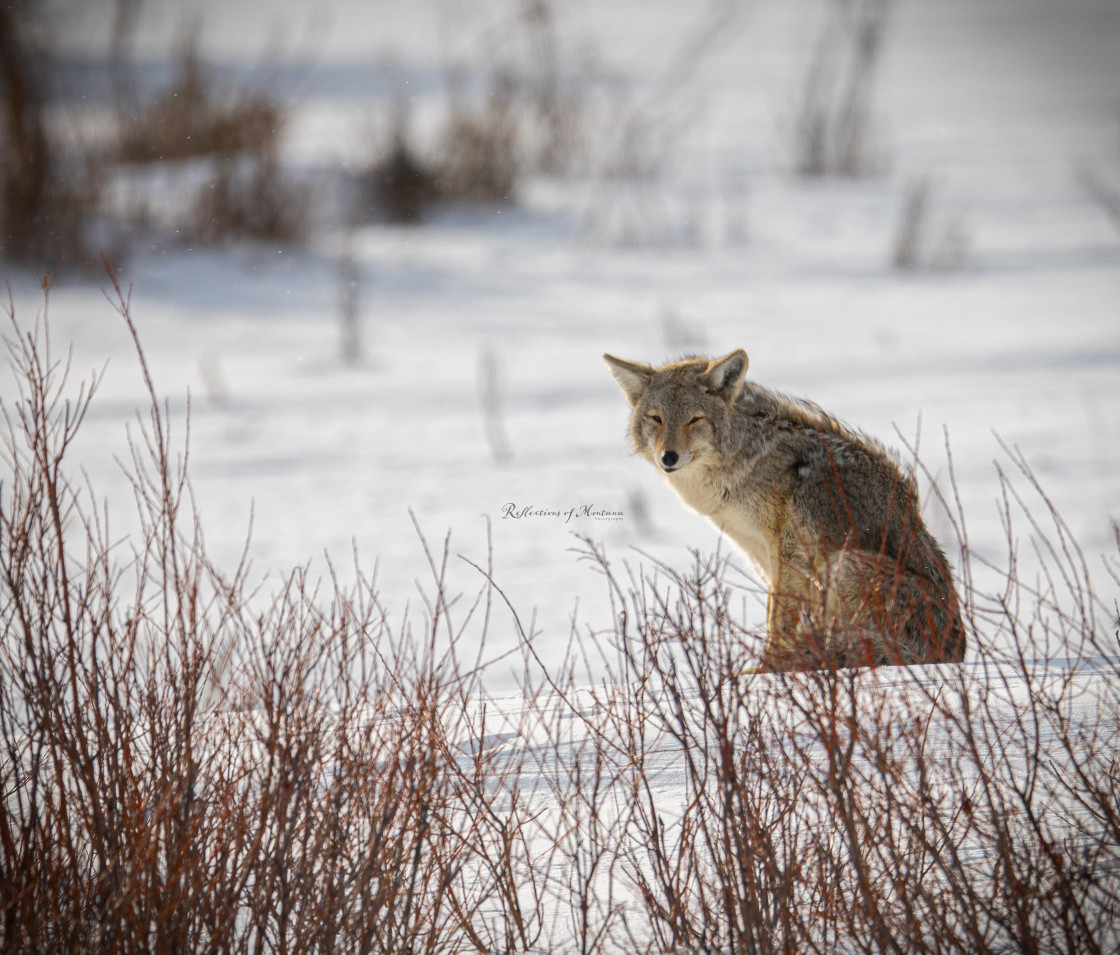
{"points": [[785, 604]]}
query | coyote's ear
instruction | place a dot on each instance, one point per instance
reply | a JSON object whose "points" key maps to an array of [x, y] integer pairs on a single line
{"points": [[634, 379], [724, 375]]}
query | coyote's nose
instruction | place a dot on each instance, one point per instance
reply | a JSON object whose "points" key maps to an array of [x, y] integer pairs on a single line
{"points": [[669, 458]]}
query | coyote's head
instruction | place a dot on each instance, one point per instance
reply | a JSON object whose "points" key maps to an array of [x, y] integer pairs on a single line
{"points": [[681, 411]]}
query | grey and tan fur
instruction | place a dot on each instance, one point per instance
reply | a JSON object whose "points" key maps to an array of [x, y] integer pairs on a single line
{"points": [[826, 513]]}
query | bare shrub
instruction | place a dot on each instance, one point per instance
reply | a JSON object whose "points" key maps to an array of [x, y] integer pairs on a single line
{"points": [[48, 193], [639, 144], [490, 398], [189, 763], [476, 158], [402, 185], [514, 105], [1106, 194], [637, 511], [236, 133], [956, 808], [194, 117], [350, 304], [251, 198], [631, 205], [26, 149], [518, 102], [833, 132], [400, 181], [187, 767], [556, 102], [680, 333], [515, 81], [214, 381], [1103, 189], [480, 156], [912, 226], [924, 240]]}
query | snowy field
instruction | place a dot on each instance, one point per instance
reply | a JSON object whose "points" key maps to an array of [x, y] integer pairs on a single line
{"points": [[998, 102], [1008, 338]]}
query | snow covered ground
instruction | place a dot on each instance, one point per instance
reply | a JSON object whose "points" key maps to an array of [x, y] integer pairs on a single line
{"points": [[998, 102]]}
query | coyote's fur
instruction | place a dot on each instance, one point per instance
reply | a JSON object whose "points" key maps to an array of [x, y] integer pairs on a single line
{"points": [[826, 513]]}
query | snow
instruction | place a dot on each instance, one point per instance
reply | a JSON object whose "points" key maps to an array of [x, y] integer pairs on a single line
{"points": [[999, 103]]}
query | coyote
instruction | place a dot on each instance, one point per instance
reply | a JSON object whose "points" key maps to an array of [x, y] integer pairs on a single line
{"points": [[826, 513]]}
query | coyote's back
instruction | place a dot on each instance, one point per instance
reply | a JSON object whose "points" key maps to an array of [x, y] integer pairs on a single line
{"points": [[826, 514]]}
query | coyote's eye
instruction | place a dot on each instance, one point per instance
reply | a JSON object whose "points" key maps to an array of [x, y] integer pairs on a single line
{"points": [[699, 417], [655, 418]]}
